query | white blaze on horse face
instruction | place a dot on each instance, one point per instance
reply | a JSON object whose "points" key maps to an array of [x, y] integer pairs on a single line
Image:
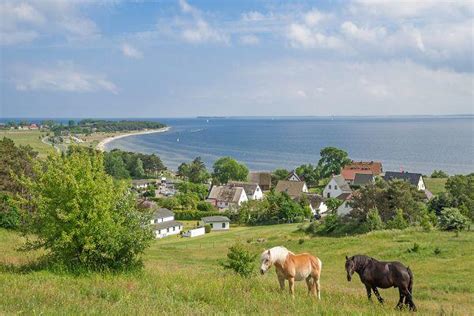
{"points": [[266, 261]]}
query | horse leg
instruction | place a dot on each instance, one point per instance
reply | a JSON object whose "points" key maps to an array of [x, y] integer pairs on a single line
{"points": [[317, 286], [309, 284], [281, 280], [378, 295], [409, 301], [369, 292], [400, 301], [291, 282]]}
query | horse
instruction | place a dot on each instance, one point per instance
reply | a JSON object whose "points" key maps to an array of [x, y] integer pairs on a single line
{"points": [[374, 274], [293, 268]]}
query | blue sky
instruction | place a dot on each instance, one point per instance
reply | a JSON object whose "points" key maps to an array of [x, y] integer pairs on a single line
{"points": [[187, 58]]}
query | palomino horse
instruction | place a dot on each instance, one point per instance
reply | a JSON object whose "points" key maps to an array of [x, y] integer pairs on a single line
{"points": [[374, 274], [293, 268]]}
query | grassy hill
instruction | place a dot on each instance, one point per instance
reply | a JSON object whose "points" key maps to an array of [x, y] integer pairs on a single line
{"points": [[29, 137], [435, 185], [182, 276]]}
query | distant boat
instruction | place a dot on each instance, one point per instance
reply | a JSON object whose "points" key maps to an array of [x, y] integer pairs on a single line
{"points": [[177, 139]]}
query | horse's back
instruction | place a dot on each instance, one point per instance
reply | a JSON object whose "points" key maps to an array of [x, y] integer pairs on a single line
{"points": [[315, 262]]}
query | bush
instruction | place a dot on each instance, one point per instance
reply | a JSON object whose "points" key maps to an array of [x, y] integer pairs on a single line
{"points": [[373, 220], [241, 260], [83, 218], [415, 248], [398, 221], [196, 215], [439, 174], [451, 218], [204, 206], [9, 215], [207, 228]]}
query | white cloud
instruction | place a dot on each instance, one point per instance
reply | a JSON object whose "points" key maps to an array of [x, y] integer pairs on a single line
{"points": [[313, 17], [61, 77], [25, 21], [249, 39], [303, 36], [252, 16], [364, 34], [130, 51]]}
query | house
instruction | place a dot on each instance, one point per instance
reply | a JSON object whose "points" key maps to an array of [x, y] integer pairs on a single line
{"points": [[263, 179], [292, 176], [362, 179], [345, 208], [33, 126], [217, 222], [415, 179], [224, 197], [362, 167], [293, 188], [162, 215], [164, 223], [252, 190], [336, 186], [316, 204], [141, 183], [195, 232]]}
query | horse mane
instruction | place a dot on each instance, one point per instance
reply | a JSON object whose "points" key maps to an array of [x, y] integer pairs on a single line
{"points": [[279, 253], [361, 260]]}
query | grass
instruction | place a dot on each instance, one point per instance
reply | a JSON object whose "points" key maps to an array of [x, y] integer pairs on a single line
{"points": [[182, 276], [435, 185], [29, 137]]}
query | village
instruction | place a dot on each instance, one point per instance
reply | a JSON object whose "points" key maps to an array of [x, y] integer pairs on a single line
{"points": [[229, 197]]}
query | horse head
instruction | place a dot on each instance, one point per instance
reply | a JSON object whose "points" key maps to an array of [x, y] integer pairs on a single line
{"points": [[266, 261], [350, 267]]}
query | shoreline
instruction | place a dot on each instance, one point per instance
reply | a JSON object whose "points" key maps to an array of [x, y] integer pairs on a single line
{"points": [[101, 145]]}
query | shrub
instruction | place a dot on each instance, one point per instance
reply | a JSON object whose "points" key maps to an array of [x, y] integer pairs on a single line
{"points": [[196, 215], [373, 220], [241, 260], [398, 221], [451, 218], [437, 251], [301, 241], [83, 218], [439, 174], [415, 248], [9, 215], [204, 206], [207, 228]]}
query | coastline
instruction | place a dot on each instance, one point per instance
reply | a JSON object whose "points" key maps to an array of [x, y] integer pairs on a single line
{"points": [[101, 146]]}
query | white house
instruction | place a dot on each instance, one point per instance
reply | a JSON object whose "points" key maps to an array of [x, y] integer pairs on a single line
{"points": [[195, 232], [217, 222], [142, 183], [415, 179], [344, 208], [164, 223], [316, 204], [336, 186], [252, 190], [162, 215], [292, 176], [224, 197]]}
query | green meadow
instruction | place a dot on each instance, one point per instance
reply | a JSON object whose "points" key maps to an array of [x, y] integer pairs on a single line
{"points": [[29, 137], [183, 276]]}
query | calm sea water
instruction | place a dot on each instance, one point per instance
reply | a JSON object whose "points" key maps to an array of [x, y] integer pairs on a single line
{"points": [[412, 144]]}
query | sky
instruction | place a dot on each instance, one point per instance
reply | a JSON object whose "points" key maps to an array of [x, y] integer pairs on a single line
{"points": [[184, 58]]}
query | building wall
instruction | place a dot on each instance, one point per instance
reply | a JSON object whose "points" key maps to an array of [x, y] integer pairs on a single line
{"points": [[257, 195], [421, 184], [344, 209], [162, 219], [218, 226], [160, 233], [331, 189], [195, 232]]}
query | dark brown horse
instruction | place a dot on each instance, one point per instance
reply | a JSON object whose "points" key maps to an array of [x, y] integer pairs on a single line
{"points": [[381, 274]]}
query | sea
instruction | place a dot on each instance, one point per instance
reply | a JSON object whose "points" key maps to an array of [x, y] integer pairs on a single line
{"points": [[414, 144]]}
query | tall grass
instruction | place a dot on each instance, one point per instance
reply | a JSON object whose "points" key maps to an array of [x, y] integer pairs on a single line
{"points": [[183, 276]]}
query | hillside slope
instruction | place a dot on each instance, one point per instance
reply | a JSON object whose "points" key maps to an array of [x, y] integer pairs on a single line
{"points": [[183, 276]]}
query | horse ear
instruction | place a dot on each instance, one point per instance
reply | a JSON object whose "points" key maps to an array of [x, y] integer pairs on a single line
{"points": [[268, 251], [347, 258]]}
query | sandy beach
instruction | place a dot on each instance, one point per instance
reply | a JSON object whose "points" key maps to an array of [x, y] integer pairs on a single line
{"points": [[105, 141]]}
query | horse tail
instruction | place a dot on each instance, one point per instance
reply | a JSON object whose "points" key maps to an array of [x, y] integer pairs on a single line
{"points": [[410, 284]]}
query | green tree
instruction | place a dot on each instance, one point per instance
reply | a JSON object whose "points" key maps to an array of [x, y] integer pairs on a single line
{"points": [[373, 220], [451, 218], [115, 166], [240, 260], [439, 174], [333, 204], [83, 218], [309, 174], [226, 169], [461, 190], [9, 213], [137, 169], [398, 221], [195, 171], [332, 160]]}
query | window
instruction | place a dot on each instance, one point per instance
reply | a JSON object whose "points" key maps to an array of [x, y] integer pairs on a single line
{"points": [[212, 226], [335, 187], [174, 228], [167, 230], [329, 195], [223, 225], [329, 187]]}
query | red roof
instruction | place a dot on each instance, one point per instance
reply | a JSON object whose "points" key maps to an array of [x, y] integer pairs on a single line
{"points": [[349, 174], [374, 166]]}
